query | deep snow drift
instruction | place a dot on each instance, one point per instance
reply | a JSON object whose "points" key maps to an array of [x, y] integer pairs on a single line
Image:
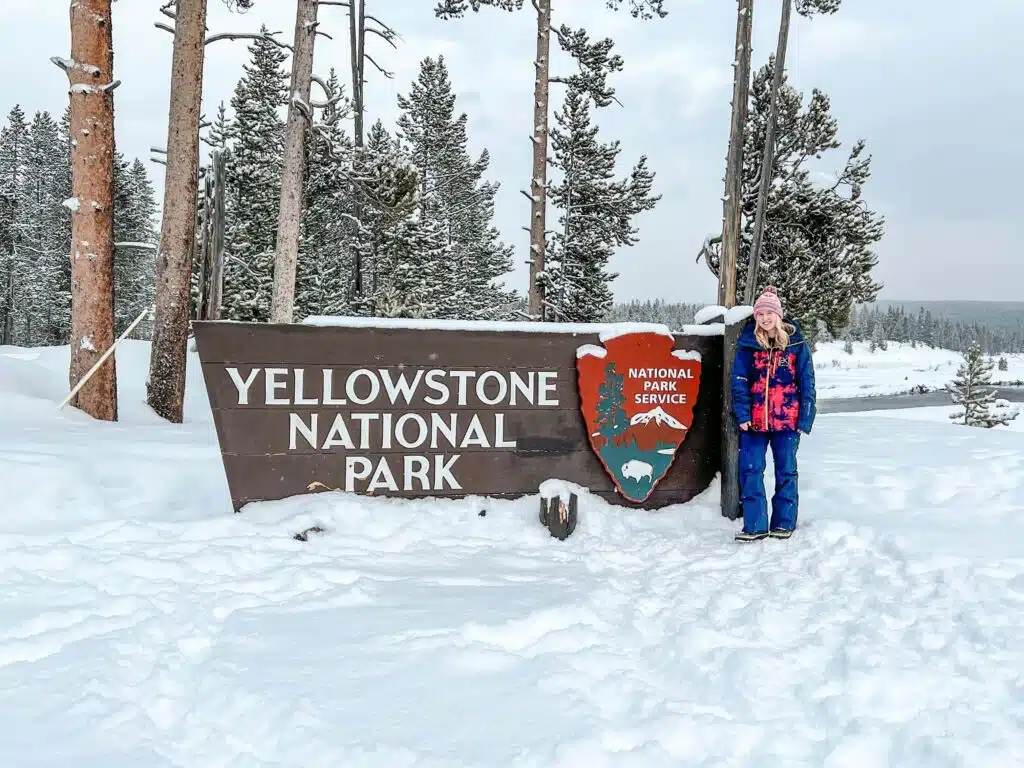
{"points": [[142, 624]]}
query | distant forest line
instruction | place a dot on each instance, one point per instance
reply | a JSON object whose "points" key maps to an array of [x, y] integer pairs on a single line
{"points": [[997, 326]]}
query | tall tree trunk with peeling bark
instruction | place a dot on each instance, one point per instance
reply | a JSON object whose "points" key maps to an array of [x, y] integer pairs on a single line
{"points": [[732, 225], [90, 72], [733, 202], [539, 176], [166, 383], [300, 117]]}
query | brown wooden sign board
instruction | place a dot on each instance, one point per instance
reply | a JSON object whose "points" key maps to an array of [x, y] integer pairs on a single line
{"points": [[413, 411]]}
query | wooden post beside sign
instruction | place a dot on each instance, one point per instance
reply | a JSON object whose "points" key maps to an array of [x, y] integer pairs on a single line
{"points": [[410, 409]]}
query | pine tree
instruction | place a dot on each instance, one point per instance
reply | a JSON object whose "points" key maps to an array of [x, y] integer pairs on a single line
{"points": [[325, 259], [134, 228], [45, 286], [1003, 364], [596, 211], [14, 151], [254, 183], [817, 239], [454, 196], [387, 185], [971, 390]]}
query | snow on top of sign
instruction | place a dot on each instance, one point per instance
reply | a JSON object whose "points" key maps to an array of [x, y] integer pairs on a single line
{"points": [[606, 331], [709, 313], [501, 326], [592, 350], [687, 354], [738, 314], [711, 329], [614, 330]]}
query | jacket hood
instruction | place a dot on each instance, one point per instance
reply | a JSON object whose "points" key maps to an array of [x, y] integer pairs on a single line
{"points": [[747, 338]]}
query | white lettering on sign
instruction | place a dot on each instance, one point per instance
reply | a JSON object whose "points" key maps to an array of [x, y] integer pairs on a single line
{"points": [[423, 419], [642, 398], [363, 386]]}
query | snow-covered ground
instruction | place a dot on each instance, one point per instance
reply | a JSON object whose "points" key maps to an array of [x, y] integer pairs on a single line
{"points": [[141, 623], [941, 415], [896, 370]]}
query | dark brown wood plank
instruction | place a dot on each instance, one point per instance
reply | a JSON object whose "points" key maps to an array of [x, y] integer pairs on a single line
{"points": [[480, 473]]}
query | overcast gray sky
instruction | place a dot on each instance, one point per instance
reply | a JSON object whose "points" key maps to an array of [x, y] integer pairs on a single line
{"points": [[932, 86]]}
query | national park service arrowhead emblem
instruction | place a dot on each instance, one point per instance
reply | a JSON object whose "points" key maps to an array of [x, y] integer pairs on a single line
{"points": [[637, 395]]}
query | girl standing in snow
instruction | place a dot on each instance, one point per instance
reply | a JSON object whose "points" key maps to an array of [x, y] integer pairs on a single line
{"points": [[773, 401]]}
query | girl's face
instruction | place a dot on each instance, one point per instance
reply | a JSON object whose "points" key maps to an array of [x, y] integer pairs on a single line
{"points": [[767, 320]]}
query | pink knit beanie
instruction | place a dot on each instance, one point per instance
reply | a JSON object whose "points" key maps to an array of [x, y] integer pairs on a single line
{"points": [[768, 302]]}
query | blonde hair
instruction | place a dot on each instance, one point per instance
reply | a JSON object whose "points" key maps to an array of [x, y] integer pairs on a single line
{"points": [[783, 331]]}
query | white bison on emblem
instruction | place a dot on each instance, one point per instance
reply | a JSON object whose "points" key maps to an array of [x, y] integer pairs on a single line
{"points": [[637, 470]]}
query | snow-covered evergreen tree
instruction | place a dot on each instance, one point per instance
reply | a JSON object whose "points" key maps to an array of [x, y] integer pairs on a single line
{"points": [[971, 390], [325, 259], [44, 289], [14, 151], [596, 209], [1003, 364], [135, 210], [254, 183], [35, 231], [818, 239], [387, 184], [454, 197]]}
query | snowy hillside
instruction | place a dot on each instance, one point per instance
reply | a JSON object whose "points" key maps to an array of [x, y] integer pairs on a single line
{"points": [[896, 370], [144, 624]]}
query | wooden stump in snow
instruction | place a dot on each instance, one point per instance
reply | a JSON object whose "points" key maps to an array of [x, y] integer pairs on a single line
{"points": [[559, 510]]}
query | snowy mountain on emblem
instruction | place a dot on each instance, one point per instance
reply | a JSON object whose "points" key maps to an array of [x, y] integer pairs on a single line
{"points": [[658, 416]]}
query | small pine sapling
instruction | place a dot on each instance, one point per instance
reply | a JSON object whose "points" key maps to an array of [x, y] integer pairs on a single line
{"points": [[971, 391]]}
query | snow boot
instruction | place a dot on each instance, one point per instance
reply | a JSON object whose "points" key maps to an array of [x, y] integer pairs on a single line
{"points": [[780, 533], [745, 536]]}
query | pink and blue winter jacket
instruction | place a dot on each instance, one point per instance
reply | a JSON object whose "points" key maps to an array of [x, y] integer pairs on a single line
{"points": [[773, 389]]}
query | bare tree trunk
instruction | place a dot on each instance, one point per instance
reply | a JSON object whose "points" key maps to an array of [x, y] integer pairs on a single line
{"points": [[538, 181], [217, 270], [357, 39], [300, 115], [356, 35], [733, 207], [768, 159], [90, 72], [732, 224], [166, 383]]}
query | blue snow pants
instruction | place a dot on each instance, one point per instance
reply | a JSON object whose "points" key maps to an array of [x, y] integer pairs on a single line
{"points": [[753, 454]]}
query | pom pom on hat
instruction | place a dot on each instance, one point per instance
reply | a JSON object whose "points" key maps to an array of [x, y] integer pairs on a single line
{"points": [[769, 301]]}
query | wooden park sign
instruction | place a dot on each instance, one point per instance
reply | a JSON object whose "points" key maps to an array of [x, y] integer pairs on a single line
{"points": [[409, 408]]}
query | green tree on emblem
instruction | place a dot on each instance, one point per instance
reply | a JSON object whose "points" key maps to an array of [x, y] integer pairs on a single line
{"points": [[611, 416]]}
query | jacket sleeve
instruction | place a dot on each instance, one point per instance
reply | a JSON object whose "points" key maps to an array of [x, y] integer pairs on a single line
{"points": [[806, 385], [741, 386]]}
